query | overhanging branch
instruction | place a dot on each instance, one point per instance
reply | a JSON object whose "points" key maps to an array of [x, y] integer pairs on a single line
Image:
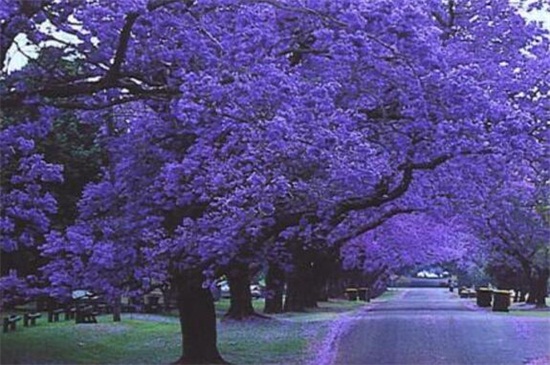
{"points": [[372, 225]]}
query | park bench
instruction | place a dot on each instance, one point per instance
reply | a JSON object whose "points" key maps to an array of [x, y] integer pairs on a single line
{"points": [[86, 314], [53, 314], [11, 322], [352, 294], [30, 319], [70, 313], [104, 308]]}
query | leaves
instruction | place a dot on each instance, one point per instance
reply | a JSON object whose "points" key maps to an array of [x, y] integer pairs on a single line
{"points": [[226, 127]]}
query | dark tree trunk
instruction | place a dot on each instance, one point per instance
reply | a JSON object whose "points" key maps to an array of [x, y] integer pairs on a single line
{"points": [[541, 288], [117, 309], [301, 290], [241, 299], [531, 299], [275, 282], [302, 285], [198, 322], [295, 300], [326, 266], [336, 286], [310, 290], [322, 292]]}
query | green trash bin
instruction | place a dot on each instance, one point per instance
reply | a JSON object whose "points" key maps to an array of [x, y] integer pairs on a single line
{"points": [[501, 300], [484, 297]]}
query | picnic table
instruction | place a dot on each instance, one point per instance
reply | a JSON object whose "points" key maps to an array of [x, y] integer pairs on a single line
{"points": [[86, 314], [10, 322]]}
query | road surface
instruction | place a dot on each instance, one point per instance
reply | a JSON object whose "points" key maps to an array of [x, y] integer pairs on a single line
{"points": [[433, 326]]}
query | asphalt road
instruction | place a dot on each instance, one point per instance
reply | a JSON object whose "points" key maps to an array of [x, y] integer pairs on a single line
{"points": [[433, 326]]}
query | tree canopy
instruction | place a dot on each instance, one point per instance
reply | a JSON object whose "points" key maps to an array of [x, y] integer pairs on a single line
{"points": [[225, 127]]}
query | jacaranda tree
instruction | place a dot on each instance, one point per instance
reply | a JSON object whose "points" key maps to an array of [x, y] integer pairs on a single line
{"points": [[232, 126]]}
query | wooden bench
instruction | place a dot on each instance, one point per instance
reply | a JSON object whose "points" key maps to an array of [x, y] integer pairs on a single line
{"points": [[10, 322], [53, 315], [70, 313], [86, 314], [30, 318]]}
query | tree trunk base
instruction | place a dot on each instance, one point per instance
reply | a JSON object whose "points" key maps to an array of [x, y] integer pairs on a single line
{"points": [[273, 311], [253, 315], [189, 361]]}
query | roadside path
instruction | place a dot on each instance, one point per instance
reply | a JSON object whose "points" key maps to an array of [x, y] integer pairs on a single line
{"points": [[433, 326]]}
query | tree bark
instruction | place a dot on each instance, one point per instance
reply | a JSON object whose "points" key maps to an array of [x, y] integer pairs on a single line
{"points": [[241, 307], [275, 282], [325, 267], [541, 288], [295, 300], [302, 284], [198, 322], [301, 289]]}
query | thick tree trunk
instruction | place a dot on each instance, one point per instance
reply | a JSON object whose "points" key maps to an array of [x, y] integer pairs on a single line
{"points": [[295, 300], [275, 282], [301, 290], [336, 286], [541, 288], [241, 298], [322, 292], [311, 292], [198, 322], [325, 267]]}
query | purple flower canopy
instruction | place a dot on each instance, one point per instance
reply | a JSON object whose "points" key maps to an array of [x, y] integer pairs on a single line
{"points": [[232, 127]]}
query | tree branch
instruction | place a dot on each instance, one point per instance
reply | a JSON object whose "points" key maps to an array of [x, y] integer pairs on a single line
{"points": [[385, 195], [122, 48], [372, 225]]}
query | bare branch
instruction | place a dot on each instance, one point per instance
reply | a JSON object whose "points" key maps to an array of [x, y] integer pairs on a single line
{"points": [[122, 48]]}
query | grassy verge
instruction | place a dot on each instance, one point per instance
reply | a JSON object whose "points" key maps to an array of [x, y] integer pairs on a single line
{"points": [[283, 339], [529, 313], [128, 342]]}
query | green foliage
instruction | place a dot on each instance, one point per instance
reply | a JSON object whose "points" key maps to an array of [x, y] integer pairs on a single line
{"points": [[73, 145]]}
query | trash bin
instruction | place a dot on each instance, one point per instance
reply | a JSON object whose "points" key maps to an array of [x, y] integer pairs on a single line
{"points": [[363, 294], [484, 297], [352, 294], [501, 300]]}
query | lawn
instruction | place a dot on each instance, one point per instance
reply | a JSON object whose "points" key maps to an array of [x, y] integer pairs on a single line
{"points": [[283, 339]]}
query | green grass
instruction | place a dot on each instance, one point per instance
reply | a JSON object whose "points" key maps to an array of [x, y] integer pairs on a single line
{"points": [[222, 306], [126, 342], [263, 341], [283, 339], [529, 313]]}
